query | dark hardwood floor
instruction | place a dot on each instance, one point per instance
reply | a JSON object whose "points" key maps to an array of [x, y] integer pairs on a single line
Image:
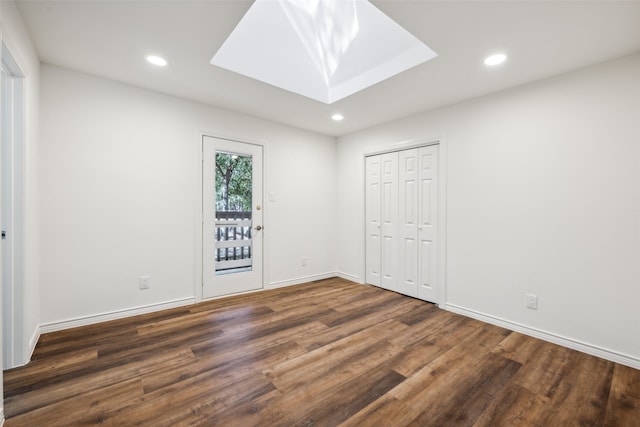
{"points": [[321, 354]]}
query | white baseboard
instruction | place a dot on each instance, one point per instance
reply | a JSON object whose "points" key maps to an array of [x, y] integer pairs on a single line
{"points": [[32, 343], [119, 314], [350, 277], [112, 315], [299, 280], [593, 350], [28, 351]]}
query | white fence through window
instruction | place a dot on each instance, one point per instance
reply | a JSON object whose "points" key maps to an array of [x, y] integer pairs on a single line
{"points": [[233, 241]]}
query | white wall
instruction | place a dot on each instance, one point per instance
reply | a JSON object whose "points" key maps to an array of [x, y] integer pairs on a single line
{"points": [[542, 198], [16, 38], [120, 180], [18, 42]]}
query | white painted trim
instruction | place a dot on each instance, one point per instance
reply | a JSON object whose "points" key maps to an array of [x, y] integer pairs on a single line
{"points": [[299, 280], [405, 145], [1, 417], [350, 277], [442, 220], [277, 285], [14, 338], [198, 217], [251, 291], [583, 347], [112, 315], [266, 215], [35, 337]]}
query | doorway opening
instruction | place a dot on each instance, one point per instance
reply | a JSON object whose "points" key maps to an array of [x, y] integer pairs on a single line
{"points": [[12, 210], [232, 233], [402, 221]]}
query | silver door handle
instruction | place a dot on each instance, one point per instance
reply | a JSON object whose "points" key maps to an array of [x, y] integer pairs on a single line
{"points": [[258, 227]]}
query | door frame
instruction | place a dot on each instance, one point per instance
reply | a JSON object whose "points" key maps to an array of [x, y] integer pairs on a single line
{"points": [[442, 205], [199, 213], [14, 345]]}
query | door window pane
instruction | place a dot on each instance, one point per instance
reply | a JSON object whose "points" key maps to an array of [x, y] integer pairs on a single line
{"points": [[233, 213]]}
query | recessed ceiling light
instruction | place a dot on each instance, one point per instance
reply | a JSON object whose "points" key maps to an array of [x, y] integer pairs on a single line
{"points": [[157, 60], [337, 117], [495, 59]]}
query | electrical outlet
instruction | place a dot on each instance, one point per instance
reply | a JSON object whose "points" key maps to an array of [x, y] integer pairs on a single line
{"points": [[532, 302], [303, 261], [144, 282]]}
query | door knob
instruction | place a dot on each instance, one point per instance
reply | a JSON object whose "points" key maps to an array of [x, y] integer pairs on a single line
{"points": [[258, 227]]}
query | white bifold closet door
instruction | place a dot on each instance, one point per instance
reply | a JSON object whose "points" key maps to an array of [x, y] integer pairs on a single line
{"points": [[382, 220], [401, 221]]}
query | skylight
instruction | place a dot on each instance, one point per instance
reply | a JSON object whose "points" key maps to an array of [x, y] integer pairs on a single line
{"points": [[322, 49]]}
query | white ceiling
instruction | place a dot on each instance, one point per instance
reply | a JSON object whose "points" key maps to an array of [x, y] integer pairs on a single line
{"points": [[110, 39]]}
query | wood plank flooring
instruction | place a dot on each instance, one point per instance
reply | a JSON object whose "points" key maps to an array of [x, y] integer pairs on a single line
{"points": [[326, 353]]}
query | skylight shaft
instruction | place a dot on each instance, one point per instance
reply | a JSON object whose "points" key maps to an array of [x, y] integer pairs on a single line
{"points": [[322, 49]]}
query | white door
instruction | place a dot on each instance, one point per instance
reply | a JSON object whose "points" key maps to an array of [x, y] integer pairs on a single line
{"points": [[408, 222], [389, 220], [427, 223], [232, 231], [381, 217], [401, 222], [372, 220]]}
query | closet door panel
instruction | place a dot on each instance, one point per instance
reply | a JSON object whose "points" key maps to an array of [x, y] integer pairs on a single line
{"points": [[373, 247], [389, 221], [408, 222], [427, 227], [401, 222]]}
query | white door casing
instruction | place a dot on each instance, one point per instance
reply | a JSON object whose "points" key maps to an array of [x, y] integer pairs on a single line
{"points": [[15, 348], [245, 279]]}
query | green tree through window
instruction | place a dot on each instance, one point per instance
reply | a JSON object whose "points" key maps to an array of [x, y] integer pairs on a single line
{"points": [[233, 182]]}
